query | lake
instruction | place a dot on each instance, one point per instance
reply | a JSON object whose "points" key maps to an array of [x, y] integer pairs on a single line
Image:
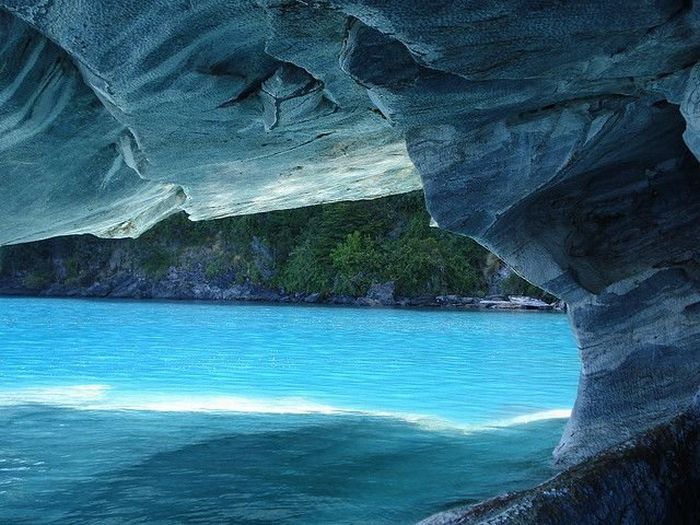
{"points": [[172, 412]]}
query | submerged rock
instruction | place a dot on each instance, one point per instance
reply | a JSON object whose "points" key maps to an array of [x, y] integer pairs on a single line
{"points": [[653, 479]]}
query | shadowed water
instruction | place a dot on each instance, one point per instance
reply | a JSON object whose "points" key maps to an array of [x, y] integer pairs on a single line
{"points": [[128, 412]]}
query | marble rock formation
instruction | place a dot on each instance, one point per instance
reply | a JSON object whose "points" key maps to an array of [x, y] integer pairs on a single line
{"points": [[562, 150], [117, 113], [564, 136]]}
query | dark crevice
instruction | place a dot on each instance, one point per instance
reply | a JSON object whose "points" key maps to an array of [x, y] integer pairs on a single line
{"points": [[247, 92]]}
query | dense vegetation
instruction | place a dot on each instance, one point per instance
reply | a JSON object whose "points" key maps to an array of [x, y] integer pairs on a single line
{"points": [[334, 249]]}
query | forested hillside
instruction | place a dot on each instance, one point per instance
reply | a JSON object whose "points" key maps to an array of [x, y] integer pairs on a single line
{"points": [[328, 251]]}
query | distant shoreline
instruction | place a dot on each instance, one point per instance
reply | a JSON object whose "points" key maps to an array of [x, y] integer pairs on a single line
{"points": [[271, 297], [370, 253]]}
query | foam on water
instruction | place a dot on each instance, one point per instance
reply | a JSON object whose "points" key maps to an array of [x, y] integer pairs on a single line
{"points": [[101, 397], [98, 397], [436, 369], [74, 396], [439, 424]]}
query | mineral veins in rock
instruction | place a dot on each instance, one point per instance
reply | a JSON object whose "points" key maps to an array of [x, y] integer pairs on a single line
{"points": [[118, 113]]}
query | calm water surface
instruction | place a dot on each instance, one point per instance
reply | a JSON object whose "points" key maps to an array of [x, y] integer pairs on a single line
{"points": [[157, 412]]}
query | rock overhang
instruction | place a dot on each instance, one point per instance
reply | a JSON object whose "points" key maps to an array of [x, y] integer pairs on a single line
{"points": [[160, 107]]}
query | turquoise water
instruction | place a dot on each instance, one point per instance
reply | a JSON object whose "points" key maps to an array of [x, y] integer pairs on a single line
{"points": [[172, 412]]}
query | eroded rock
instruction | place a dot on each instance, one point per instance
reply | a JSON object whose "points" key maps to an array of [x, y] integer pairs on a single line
{"points": [[146, 108], [578, 174]]}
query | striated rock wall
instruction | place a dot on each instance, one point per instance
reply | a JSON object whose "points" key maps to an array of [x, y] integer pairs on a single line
{"points": [[563, 136], [139, 109], [558, 144]]}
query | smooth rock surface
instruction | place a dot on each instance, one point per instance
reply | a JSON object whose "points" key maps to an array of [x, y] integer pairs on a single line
{"points": [[217, 108], [566, 157]]}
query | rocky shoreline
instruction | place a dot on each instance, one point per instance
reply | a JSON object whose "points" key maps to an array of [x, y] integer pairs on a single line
{"points": [[379, 295]]}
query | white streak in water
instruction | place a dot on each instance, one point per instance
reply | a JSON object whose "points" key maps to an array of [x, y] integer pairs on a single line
{"points": [[94, 397]]}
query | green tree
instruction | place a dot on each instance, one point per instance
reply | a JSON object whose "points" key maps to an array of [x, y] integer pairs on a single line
{"points": [[357, 262], [305, 272]]}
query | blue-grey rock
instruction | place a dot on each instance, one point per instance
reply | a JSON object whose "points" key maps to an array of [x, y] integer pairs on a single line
{"points": [[593, 196], [529, 302], [455, 299], [118, 113]]}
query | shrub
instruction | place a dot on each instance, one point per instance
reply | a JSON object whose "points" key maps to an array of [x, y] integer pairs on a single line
{"points": [[356, 262], [38, 279], [72, 268], [516, 285], [339, 248], [428, 261], [217, 266], [156, 261], [305, 272]]}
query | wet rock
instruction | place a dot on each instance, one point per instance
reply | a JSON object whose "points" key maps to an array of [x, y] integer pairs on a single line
{"points": [[312, 298], [422, 301], [499, 305], [529, 302], [342, 300], [653, 479], [98, 290], [379, 294], [454, 300]]}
